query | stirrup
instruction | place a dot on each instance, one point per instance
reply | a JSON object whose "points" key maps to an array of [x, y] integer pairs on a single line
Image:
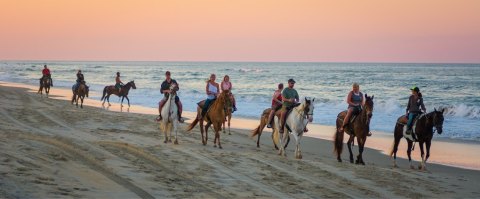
{"points": [[159, 118], [269, 126], [181, 120], [369, 134]]}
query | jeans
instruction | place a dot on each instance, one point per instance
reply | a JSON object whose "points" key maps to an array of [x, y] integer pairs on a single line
{"points": [[206, 105], [411, 116]]}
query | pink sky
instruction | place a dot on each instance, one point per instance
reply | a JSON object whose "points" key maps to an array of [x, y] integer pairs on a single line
{"points": [[241, 30]]}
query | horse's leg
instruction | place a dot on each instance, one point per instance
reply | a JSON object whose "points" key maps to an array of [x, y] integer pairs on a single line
{"points": [[175, 126], [349, 145], [206, 134], [121, 103], [217, 129], [81, 105], [422, 165], [128, 101], [396, 142], [229, 118], [201, 131], [108, 99], [361, 144], [297, 149], [409, 153], [165, 130]]}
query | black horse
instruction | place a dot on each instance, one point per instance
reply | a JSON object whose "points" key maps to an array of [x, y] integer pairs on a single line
{"points": [[424, 133], [109, 90]]}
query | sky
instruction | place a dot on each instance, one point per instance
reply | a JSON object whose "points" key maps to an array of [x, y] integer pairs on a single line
{"points": [[419, 31]]}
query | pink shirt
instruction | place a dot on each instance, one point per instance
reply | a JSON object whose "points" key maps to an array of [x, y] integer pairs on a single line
{"points": [[226, 85]]}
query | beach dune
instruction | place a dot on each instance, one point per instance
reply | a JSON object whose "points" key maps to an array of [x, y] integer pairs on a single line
{"points": [[51, 149]]}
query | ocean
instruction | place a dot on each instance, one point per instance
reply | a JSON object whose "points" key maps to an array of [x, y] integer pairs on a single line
{"points": [[453, 87]]}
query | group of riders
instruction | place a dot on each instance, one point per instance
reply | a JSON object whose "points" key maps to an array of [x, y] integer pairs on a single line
{"points": [[283, 99]]}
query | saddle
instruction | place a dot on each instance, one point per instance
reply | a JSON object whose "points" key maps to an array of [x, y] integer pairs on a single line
{"points": [[202, 103], [348, 128], [403, 121]]}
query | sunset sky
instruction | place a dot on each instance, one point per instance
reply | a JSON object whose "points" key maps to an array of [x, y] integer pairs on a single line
{"points": [[241, 30]]}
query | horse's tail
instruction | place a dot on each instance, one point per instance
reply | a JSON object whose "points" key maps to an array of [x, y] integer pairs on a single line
{"points": [[104, 93], [259, 128], [338, 143], [193, 124]]}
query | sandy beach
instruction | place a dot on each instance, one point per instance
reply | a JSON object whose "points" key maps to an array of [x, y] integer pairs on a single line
{"points": [[51, 149]]}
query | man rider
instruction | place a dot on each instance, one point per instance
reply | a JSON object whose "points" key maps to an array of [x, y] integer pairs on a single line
{"points": [[46, 74], [290, 98], [165, 90]]}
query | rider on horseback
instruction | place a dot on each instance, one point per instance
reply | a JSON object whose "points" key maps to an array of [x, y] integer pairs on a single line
{"points": [[276, 104], [415, 102], [80, 79], [290, 98], [165, 89], [227, 86], [46, 74], [212, 92], [118, 83], [355, 101]]}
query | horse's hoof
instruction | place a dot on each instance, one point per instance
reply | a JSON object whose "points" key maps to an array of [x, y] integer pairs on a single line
{"points": [[395, 166], [176, 142], [420, 167], [165, 141], [351, 161], [215, 146], [412, 167], [339, 160], [220, 147], [170, 141]]}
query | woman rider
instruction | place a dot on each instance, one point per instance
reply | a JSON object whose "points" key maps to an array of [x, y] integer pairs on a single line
{"points": [[415, 102], [211, 89], [355, 101], [227, 87], [276, 104]]}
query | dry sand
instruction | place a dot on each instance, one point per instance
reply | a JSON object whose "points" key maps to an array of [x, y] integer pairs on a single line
{"points": [[51, 149]]}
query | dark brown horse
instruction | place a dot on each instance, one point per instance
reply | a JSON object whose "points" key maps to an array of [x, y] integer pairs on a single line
{"points": [[359, 128], [44, 84], [424, 133], [215, 115], [80, 93], [258, 131], [109, 90]]}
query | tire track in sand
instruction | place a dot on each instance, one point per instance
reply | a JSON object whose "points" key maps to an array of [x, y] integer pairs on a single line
{"points": [[76, 151], [155, 161]]}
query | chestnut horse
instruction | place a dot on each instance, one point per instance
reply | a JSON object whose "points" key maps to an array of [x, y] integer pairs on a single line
{"points": [[80, 93], [263, 122], [424, 133], [215, 115], [45, 83], [108, 90], [359, 128]]}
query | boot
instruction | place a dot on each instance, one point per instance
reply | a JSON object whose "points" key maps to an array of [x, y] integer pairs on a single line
{"points": [[159, 118]]}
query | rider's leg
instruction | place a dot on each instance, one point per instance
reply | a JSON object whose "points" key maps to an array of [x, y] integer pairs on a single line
{"points": [[160, 106], [233, 102], [283, 115], [411, 116], [347, 118], [51, 81], [205, 107], [180, 109], [270, 116]]}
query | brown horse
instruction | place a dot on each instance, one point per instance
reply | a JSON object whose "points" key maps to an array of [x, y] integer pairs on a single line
{"points": [[109, 90], [423, 130], [228, 116], [215, 115], [80, 93], [45, 83], [359, 128], [258, 131]]}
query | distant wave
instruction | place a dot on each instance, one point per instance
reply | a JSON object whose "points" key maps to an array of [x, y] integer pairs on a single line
{"points": [[246, 70], [462, 110]]}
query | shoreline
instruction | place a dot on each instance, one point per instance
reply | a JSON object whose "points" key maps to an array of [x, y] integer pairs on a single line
{"points": [[51, 149], [462, 156]]}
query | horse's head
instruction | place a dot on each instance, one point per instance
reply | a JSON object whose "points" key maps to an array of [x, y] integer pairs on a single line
{"points": [[369, 106], [308, 108], [132, 83], [173, 88], [437, 120]]}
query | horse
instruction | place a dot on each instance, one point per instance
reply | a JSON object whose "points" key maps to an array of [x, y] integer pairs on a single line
{"points": [[45, 83], [215, 115], [358, 128], [258, 131], [79, 93], [228, 117], [295, 123], [108, 90], [424, 131], [170, 116]]}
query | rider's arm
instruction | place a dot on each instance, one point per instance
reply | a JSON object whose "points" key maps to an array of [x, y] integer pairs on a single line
{"points": [[274, 97], [422, 105], [349, 99]]}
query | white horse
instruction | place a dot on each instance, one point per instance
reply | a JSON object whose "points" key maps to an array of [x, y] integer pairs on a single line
{"points": [[169, 116], [297, 121]]}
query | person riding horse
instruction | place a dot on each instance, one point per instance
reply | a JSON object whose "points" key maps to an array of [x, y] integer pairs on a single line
{"points": [[355, 101], [276, 104], [165, 90], [212, 91], [227, 87], [80, 80], [290, 98], [414, 108], [118, 83], [46, 74]]}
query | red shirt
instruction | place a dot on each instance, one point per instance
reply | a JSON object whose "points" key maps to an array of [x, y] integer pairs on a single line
{"points": [[46, 71], [279, 98]]}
